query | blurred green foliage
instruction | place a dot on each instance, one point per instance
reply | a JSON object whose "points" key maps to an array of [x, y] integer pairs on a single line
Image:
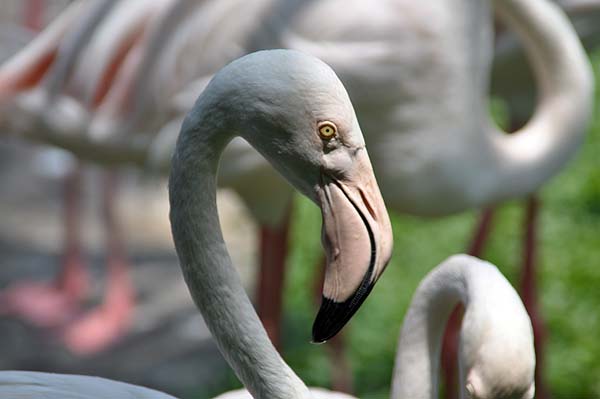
{"points": [[569, 281]]}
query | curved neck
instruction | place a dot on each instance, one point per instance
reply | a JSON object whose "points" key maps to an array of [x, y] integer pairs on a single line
{"points": [[416, 371], [527, 158], [494, 319], [213, 282]]}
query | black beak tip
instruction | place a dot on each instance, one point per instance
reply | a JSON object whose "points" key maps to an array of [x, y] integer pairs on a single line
{"points": [[329, 320], [333, 316]]}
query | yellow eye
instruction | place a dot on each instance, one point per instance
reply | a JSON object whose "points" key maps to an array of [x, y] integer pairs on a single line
{"points": [[327, 130]]}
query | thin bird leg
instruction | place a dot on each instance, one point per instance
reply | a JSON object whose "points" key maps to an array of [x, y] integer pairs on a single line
{"points": [[342, 379], [482, 233], [73, 279], [120, 289], [529, 292], [105, 325], [271, 279], [52, 304], [120, 292]]}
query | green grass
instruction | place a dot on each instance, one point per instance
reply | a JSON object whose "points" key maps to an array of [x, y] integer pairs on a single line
{"points": [[569, 281]]}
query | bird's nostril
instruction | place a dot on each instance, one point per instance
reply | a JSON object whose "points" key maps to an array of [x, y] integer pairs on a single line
{"points": [[365, 200]]}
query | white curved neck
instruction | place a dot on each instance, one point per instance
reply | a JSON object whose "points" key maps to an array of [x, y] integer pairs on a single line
{"points": [[526, 159], [495, 321], [416, 371], [207, 268]]}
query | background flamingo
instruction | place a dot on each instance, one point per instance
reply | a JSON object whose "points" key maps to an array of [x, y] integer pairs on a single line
{"points": [[105, 324]]}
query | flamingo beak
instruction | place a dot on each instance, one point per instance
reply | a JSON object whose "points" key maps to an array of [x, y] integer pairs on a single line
{"points": [[357, 238]]}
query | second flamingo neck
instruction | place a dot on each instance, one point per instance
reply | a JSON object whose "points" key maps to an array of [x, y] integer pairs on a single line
{"points": [[416, 371]]}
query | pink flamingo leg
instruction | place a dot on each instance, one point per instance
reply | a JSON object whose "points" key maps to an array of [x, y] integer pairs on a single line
{"points": [[529, 292], [341, 370], [482, 233], [450, 344], [273, 252], [106, 324], [73, 280], [55, 303]]}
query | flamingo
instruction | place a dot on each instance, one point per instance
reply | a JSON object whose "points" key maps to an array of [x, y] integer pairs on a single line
{"points": [[295, 111], [511, 80], [430, 163], [55, 304]]}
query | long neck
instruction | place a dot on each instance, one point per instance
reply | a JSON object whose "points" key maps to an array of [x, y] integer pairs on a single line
{"points": [[527, 158], [213, 282], [417, 364], [490, 303]]}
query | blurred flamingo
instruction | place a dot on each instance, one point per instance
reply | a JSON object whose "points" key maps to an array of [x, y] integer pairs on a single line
{"points": [[56, 304]]}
